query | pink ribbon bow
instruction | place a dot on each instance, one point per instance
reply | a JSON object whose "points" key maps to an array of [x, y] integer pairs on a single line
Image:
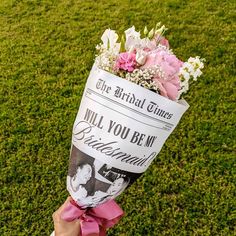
{"points": [[93, 221]]}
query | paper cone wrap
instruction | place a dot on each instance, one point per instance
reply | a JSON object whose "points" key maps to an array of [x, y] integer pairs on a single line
{"points": [[118, 131]]}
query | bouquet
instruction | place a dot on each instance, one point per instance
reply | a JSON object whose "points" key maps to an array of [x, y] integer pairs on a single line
{"points": [[131, 104]]}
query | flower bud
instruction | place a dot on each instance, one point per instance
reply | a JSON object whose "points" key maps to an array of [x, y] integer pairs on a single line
{"points": [[161, 30], [145, 31], [157, 25], [151, 34]]}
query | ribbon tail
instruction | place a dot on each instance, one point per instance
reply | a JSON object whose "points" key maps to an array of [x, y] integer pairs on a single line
{"points": [[102, 231], [89, 227]]}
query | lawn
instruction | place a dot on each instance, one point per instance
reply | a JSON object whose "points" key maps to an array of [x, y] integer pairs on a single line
{"points": [[47, 49]]}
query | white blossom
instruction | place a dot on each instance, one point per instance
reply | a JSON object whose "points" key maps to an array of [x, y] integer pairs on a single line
{"points": [[141, 57], [106, 61], [131, 32], [197, 73], [132, 38], [184, 73], [190, 69], [109, 39]]}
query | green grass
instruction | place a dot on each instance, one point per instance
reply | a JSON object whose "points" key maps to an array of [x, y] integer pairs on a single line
{"points": [[47, 49]]}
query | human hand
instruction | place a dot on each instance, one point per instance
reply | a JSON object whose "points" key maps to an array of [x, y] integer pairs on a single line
{"points": [[62, 227]]}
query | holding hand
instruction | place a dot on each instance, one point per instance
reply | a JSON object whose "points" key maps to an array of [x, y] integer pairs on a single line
{"points": [[62, 227]]}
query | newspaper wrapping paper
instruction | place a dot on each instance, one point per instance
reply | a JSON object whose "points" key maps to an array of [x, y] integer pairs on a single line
{"points": [[119, 129]]}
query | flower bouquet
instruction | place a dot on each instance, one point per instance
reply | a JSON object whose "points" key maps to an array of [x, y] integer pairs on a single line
{"points": [[131, 104]]}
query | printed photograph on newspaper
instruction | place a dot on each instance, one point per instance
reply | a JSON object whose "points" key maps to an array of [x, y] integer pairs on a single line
{"points": [[92, 182]]}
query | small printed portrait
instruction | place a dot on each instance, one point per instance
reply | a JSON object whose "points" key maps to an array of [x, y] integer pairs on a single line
{"points": [[80, 179], [118, 186], [115, 189], [91, 182]]}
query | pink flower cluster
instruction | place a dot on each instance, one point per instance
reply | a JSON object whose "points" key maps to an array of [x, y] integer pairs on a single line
{"points": [[126, 61], [147, 61], [169, 82]]}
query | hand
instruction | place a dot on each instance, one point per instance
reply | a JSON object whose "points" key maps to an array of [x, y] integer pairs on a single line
{"points": [[64, 228]]}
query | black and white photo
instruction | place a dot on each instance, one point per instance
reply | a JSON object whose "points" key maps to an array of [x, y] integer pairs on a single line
{"points": [[92, 182]]}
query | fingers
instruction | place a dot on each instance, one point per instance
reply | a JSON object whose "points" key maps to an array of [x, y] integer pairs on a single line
{"points": [[62, 207], [62, 227], [57, 214]]}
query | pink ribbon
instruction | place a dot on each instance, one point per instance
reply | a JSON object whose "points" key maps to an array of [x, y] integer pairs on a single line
{"points": [[93, 221]]}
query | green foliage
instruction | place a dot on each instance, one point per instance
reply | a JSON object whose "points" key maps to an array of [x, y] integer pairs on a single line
{"points": [[47, 49]]}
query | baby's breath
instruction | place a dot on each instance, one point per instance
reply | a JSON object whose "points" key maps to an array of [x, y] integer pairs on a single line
{"points": [[190, 70], [144, 77]]}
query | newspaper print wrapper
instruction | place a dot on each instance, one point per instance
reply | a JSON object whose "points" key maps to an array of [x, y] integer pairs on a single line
{"points": [[118, 131]]}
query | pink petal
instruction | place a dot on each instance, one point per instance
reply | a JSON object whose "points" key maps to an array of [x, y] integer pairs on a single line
{"points": [[172, 91], [162, 89]]}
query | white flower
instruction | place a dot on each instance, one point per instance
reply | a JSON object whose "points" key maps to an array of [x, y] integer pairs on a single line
{"points": [[188, 67], [141, 57], [184, 73], [196, 61], [109, 39], [132, 33], [197, 73], [106, 61], [132, 38], [133, 41], [190, 70]]}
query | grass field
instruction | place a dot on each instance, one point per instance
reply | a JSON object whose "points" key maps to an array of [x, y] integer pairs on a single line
{"points": [[46, 52]]}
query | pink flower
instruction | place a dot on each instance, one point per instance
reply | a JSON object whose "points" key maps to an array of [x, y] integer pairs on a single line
{"points": [[126, 61], [168, 89], [169, 83]]}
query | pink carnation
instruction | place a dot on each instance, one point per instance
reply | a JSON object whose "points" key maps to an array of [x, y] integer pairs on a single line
{"points": [[170, 65], [126, 61]]}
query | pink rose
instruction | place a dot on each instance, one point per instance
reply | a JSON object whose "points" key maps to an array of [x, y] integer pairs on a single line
{"points": [[169, 84], [168, 88], [126, 61]]}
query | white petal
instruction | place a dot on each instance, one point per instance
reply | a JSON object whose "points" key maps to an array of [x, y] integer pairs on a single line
{"points": [[132, 33], [109, 38]]}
